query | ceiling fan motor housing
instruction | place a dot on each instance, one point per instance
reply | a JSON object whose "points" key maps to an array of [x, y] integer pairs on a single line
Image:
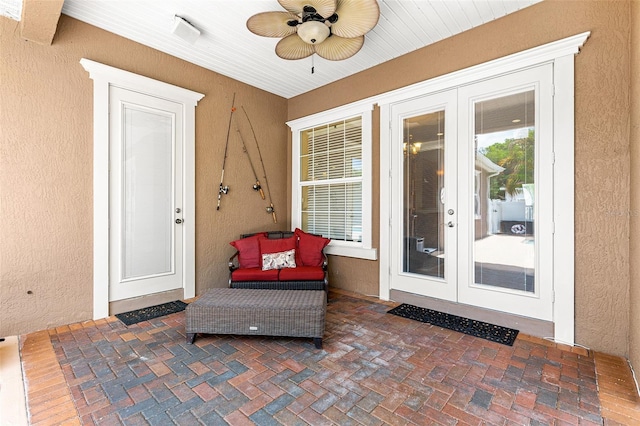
{"points": [[313, 32]]}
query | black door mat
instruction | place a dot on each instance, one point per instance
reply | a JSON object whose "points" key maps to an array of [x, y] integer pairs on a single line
{"points": [[151, 312], [494, 333]]}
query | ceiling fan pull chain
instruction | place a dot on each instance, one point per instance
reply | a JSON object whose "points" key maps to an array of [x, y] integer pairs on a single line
{"points": [[312, 64]]}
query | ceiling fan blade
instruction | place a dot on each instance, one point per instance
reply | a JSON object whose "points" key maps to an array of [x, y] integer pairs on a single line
{"points": [[292, 47], [324, 8], [337, 48], [272, 24], [355, 17]]}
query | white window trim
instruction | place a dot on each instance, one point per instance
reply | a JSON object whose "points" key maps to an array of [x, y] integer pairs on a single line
{"points": [[561, 53], [103, 77], [364, 249]]}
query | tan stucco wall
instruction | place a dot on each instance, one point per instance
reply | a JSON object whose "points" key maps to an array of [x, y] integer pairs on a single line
{"points": [[634, 143], [46, 154], [601, 141]]}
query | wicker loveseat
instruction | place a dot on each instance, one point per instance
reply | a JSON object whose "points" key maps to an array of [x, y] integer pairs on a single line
{"points": [[304, 269]]}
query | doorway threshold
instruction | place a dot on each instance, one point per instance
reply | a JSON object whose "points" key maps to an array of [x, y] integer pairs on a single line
{"points": [[127, 305], [530, 326]]}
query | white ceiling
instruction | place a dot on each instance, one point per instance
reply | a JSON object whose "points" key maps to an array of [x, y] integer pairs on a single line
{"points": [[11, 9], [227, 47]]}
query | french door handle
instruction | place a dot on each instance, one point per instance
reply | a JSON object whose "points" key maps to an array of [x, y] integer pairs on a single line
{"points": [[450, 224], [179, 221]]}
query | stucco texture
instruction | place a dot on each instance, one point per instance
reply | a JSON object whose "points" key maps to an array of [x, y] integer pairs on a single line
{"points": [[46, 155], [46, 175], [601, 139], [634, 143]]}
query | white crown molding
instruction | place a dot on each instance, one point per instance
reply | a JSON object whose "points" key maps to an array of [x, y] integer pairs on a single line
{"points": [[129, 80], [517, 61]]}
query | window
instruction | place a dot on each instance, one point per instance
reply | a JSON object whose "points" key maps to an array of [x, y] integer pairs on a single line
{"points": [[332, 180]]}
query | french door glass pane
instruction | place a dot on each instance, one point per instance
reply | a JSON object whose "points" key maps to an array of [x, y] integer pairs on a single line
{"points": [[423, 208], [147, 193], [504, 192]]}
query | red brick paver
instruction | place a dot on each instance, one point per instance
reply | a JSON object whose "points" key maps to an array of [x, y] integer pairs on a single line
{"points": [[374, 369]]}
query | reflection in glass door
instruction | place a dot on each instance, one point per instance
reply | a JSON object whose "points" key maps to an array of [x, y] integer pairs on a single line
{"points": [[423, 158], [505, 199], [424, 231], [504, 192], [472, 205]]}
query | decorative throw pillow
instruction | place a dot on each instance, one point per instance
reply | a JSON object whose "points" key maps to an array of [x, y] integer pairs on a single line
{"points": [[280, 260], [249, 250], [310, 248]]}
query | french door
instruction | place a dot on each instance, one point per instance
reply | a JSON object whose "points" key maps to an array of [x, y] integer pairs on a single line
{"points": [[472, 179], [146, 254], [424, 164]]}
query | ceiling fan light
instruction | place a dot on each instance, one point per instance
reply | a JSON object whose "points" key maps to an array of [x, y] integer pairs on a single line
{"points": [[313, 32]]}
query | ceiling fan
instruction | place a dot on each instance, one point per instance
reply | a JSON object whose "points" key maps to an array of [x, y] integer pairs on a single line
{"points": [[334, 29]]}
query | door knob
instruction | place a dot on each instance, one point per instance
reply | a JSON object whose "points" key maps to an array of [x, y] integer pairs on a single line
{"points": [[450, 224], [178, 221]]}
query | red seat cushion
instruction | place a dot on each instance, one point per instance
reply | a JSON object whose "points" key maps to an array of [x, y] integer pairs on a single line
{"points": [[249, 250], [310, 247], [254, 274], [302, 273]]}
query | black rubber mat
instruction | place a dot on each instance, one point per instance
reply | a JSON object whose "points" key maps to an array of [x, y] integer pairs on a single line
{"points": [[494, 333], [151, 312]]}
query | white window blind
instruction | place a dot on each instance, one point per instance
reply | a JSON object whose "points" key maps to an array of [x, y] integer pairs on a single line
{"points": [[331, 180]]}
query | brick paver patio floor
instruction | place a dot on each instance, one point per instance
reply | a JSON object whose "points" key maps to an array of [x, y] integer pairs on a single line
{"points": [[374, 369]]}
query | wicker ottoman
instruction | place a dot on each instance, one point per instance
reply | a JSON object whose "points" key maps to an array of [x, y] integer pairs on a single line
{"points": [[291, 313]]}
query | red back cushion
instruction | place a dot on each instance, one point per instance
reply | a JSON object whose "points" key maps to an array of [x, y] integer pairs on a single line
{"points": [[276, 245], [249, 250], [310, 247]]}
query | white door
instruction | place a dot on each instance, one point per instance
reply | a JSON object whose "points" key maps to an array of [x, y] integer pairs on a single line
{"points": [[424, 211], [505, 257], [472, 176], [145, 235]]}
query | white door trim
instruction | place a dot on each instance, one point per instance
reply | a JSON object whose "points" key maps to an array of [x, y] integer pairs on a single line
{"points": [[103, 77], [561, 53]]}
